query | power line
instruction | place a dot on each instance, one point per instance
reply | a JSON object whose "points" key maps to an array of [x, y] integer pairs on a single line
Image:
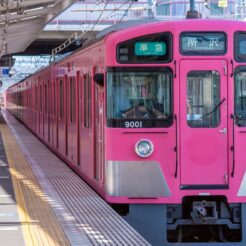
{"points": [[78, 37]]}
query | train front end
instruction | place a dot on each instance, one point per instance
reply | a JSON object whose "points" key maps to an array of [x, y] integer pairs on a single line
{"points": [[140, 133], [173, 134]]}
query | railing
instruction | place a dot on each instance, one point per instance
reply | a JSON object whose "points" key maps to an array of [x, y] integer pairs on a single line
{"points": [[206, 9], [84, 15]]}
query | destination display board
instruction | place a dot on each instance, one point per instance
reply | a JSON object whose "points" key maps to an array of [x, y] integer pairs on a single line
{"points": [[150, 48], [203, 43]]}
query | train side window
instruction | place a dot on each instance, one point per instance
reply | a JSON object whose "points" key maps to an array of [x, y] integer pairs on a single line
{"points": [[30, 97], [61, 99], [22, 99], [36, 97], [40, 99], [203, 98], [240, 97], [72, 99], [18, 98], [87, 101], [25, 98], [54, 99], [50, 98], [240, 46], [45, 99]]}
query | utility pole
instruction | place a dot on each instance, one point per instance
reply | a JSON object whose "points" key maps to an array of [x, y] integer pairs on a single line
{"points": [[150, 12], [192, 13]]}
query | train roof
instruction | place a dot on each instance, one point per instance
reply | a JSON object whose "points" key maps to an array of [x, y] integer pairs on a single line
{"points": [[124, 25], [129, 26], [132, 24], [196, 24], [193, 25]]}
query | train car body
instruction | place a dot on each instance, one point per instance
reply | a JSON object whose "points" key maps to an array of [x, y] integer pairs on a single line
{"points": [[152, 114]]}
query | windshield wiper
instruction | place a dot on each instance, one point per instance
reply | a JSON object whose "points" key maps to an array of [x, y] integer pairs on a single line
{"points": [[214, 109], [240, 117]]}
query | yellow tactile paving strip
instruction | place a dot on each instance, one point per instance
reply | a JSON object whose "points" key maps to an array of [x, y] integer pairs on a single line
{"points": [[85, 217], [38, 222]]}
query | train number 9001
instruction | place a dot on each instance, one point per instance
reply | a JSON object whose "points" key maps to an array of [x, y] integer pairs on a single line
{"points": [[133, 124]]}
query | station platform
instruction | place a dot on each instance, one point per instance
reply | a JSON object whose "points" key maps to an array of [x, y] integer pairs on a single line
{"points": [[43, 202]]}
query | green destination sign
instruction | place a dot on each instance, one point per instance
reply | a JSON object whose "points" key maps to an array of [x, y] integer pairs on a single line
{"points": [[150, 48]]}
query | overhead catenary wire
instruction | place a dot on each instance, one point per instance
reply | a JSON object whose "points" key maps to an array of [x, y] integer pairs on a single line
{"points": [[103, 11], [131, 2], [77, 36], [118, 8]]}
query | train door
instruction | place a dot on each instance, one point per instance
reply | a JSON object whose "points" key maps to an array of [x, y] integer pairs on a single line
{"points": [[66, 114], [99, 132], [53, 114], [30, 105], [27, 104], [72, 140], [46, 113], [56, 112], [49, 107], [61, 116], [239, 129], [86, 143], [25, 100], [40, 109], [36, 107], [33, 106], [203, 124], [80, 117]]}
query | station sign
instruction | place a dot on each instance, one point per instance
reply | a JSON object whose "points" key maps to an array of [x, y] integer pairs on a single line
{"points": [[4, 71]]}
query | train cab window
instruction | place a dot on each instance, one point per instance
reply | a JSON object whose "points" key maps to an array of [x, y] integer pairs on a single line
{"points": [[240, 97], [139, 95], [203, 99], [240, 47]]}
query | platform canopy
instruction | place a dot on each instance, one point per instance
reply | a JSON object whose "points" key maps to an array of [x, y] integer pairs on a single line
{"points": [[22, 20]]}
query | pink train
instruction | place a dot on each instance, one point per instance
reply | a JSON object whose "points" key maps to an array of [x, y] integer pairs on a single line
{"points": [[153, 114]]}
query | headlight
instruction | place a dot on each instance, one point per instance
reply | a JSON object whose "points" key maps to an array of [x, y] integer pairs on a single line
{"points": [[144, 148]]}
